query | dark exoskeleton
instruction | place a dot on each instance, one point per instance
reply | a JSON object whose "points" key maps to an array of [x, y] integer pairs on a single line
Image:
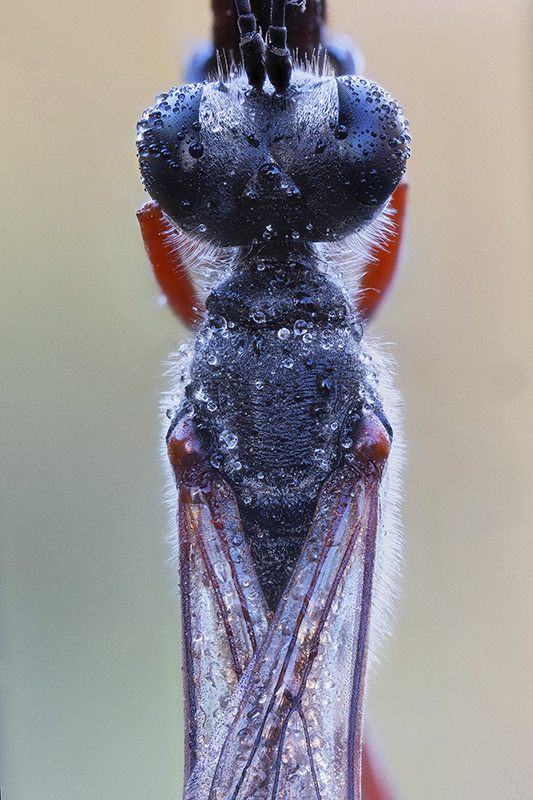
{"points": [[280, 436]]}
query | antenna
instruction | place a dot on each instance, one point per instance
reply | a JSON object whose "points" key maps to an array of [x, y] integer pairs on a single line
{"points": [[278, 59], [251, 45], [259, 60]]}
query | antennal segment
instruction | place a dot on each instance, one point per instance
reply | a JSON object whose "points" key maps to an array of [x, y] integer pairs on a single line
{"points": [[251, 45], [278, 59]]}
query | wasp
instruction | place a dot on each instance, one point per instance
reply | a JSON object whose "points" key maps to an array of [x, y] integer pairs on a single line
{"points": [[268, 182]]}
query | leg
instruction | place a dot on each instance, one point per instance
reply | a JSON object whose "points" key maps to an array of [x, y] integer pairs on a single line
{"points": [[374, 782], [164, 246], [381, 270]]}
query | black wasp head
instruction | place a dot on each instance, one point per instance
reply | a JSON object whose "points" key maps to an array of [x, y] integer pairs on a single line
{"points": [[238, 166]]}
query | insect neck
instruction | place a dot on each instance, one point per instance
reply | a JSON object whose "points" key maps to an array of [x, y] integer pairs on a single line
{"points": [[267, 290]]}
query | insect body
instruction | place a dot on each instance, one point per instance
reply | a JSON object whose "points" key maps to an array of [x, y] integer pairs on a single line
{"points": [[279, 438]]}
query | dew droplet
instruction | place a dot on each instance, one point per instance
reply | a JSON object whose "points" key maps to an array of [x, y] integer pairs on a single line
{"points": [[246, 497], [218, 324], [229, 439], [258, 316], [196, 150], [216, 460], [340, 132]]}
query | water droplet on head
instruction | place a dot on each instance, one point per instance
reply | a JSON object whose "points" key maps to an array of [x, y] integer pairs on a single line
{"points": [[284, 334], [269, 173], [196, 150], [340, 132]]}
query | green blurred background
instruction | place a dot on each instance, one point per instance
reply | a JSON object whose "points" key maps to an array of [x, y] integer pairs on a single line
{"points": [[89, 631]]}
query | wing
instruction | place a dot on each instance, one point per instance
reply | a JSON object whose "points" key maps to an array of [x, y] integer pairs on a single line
{"points": [[224, 614], [275, 705]]}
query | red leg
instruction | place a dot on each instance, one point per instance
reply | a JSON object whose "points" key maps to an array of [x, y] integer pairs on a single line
{"points": [[374, 782], [378, 277], [164, 246]]}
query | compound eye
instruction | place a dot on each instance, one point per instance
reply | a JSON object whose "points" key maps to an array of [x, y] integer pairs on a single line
{"points": [[373, 140], [169, 146]]}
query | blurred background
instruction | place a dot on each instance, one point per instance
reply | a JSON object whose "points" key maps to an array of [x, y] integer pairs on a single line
{"points": [[89, 668]]}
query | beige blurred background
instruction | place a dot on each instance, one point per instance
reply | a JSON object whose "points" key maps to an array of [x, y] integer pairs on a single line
{"points": [[89, 631]]}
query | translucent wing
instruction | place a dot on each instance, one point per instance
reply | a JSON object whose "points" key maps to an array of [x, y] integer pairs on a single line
{"points": [[275, 706]]}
